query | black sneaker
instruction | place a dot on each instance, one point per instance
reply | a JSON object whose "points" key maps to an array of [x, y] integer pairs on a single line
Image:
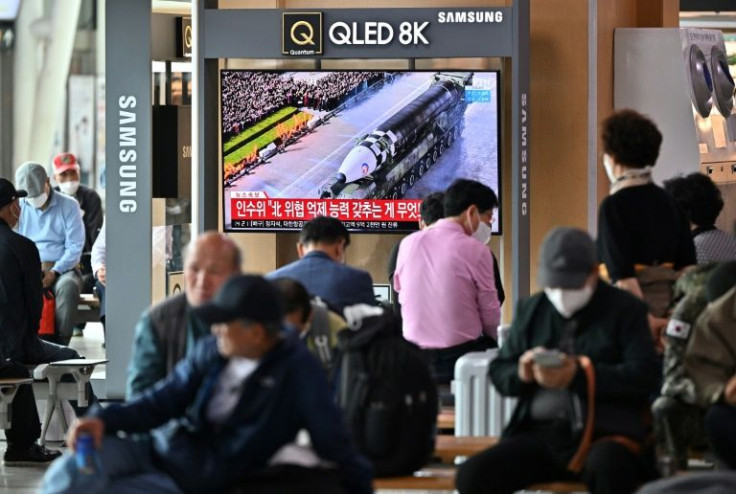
{"points": [[34, 455]]}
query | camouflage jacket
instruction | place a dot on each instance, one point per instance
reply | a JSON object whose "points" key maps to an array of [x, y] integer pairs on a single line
{"points": [[691, 301]]}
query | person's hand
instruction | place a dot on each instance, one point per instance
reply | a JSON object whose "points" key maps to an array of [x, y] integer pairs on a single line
{"points": [[526, 362], [101, 275], [93, 426], [48, 279], [657, 326], [729, 394], [556, 377]]}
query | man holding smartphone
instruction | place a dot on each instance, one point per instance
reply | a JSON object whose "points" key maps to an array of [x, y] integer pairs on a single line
{"points": [[578, 346]]}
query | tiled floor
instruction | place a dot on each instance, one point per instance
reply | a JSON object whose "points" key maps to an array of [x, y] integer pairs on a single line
{"points": [[26, 480]]}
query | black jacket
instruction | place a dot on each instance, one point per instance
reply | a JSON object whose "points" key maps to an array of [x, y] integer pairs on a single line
{"points": [[20, 296], [612, 331]]}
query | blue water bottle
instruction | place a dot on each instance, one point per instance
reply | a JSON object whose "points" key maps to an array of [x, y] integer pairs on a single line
{"points": [[85, 454]]}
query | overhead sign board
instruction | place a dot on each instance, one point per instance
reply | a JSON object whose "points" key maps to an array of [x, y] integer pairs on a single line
{"points": [[359, 33]]}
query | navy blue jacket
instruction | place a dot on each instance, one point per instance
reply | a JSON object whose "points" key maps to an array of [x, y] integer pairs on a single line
{"points": [[336, 283], [287, 392]]}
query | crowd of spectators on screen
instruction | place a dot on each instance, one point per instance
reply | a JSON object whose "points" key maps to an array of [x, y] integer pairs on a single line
{"points": [[248, 97]]}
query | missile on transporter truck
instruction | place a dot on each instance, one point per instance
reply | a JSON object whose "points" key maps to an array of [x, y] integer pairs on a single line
{"points": [[387, 162]]}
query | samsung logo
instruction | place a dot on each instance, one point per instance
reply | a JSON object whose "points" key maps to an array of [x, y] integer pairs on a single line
{"points": [[470, 16], [128, 156]]}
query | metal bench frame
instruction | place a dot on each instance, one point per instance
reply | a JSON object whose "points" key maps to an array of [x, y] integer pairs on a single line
{"points": [[51, 374]]}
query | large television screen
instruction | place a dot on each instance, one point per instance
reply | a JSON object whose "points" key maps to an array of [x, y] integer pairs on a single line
{"points": [[362, 146]]}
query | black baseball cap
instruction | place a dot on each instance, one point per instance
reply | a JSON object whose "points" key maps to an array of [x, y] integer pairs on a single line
{"points": [[566, 259], [243, 297], [8, 193]]}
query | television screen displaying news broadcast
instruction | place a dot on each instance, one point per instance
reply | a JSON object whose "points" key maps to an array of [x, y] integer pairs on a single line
{"points": [[362, 146]]}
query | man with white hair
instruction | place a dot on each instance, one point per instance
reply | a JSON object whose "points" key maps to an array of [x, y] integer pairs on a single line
{"points": [[167, 332]]}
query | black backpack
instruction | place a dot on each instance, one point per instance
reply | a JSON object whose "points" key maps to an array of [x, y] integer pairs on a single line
{"points": [[389, 396]]}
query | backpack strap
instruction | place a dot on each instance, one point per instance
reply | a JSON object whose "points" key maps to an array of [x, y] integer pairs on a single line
{"points": [[352, 392], [581, 455], [578, 460], [319, 332]]}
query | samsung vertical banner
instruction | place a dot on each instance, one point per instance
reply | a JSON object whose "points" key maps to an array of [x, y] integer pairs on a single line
{"points": [[128, 177]]}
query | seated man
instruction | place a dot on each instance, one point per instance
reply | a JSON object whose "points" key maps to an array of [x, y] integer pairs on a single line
{"points": [[20, 311], [316, 324], [430, 210], [167, 332], [321, 268], [599, 332], [710, 362], [67, 174], [444, 277], [240, 397], [678, 420], [53, 222], [21, 304]]}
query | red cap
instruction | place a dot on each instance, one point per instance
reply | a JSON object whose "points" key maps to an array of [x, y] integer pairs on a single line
{"points": [[64, 162]]}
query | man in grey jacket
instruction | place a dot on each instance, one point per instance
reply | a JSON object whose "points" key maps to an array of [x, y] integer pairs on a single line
{"points": [[168, 330]]}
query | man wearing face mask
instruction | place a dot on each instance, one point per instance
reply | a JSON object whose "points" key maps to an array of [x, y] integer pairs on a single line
{"points": [[67, 175], [20, 312], [53, 222], [321, 266], [576, 328], [444, 277]]}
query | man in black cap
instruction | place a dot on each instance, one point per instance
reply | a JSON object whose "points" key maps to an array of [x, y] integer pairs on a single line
{"points": [[579, 348], [20, 312], [240, 397]]}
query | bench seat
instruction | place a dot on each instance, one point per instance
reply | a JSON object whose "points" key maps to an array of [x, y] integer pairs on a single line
{"points": [[448, 448], [50, 375]]}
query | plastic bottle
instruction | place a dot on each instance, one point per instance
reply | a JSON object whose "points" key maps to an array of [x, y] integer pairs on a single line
{"points": [[85, 454]]}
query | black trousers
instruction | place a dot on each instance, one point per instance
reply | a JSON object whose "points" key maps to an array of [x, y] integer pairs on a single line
{"points": [[522, 460], [720, 425], [25, 426], [442, 360], [291, 479]]}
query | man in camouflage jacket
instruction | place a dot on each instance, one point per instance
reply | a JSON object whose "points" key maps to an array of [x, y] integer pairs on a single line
{"points": [[678, 420]]}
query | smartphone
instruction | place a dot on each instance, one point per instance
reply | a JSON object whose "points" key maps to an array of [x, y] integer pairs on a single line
{"points": [[548, 358]]}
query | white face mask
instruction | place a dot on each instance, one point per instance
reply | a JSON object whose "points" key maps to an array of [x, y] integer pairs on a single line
{"points": [[69, 188], [15, 212], [608, 165], [38, 201], [482, 233], [567, 301]]}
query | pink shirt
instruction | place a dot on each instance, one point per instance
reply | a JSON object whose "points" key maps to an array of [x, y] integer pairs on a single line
{"points": [[446, 288]]}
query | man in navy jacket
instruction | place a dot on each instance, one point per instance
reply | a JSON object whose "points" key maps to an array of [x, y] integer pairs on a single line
{"points": [[240, 397], [321, 268]]}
